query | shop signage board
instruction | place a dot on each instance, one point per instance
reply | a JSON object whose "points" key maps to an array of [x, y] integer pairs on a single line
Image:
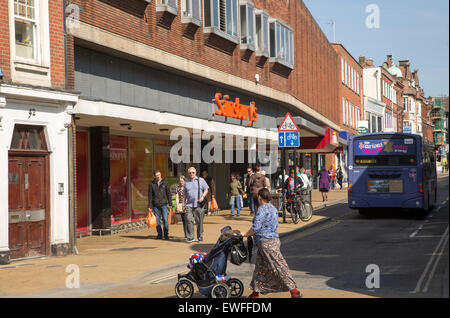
{"points": [[406, 129], [235, 109], [288, 133], [363, 127]]}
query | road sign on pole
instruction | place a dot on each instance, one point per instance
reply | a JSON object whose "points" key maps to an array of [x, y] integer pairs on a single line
{"points": [[288, 133]]}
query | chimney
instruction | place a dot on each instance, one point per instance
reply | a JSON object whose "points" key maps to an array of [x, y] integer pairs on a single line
{"points": [[389, 60], [362, 60], [369, 62], [416, 76], [406, 66]]}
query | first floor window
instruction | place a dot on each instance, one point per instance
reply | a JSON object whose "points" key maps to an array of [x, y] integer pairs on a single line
{"points": [[26, 29], [343, 111], [262, 32], [282, 37], [247, 24], [222, 15], [191, 8]]}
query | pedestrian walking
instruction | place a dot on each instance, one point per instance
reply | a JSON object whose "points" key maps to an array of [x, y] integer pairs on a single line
{"points": [[251, 203], [305, 179], [324, 183], [339, 176], [268, 187], [257, 182], [212, 190], [195, 190], [181, 203], [234, 194], [159, 197], [271, 274], [332, 174]]}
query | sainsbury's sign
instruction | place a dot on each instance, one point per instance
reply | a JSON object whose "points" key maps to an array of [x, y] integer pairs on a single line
{"points": [[234, 109]]}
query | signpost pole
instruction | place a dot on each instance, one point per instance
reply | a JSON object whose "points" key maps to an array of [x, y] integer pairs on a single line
{"points": [[283, 191]]}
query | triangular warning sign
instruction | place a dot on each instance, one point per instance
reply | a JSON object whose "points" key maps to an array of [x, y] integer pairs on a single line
{"points": [[288, 124]]}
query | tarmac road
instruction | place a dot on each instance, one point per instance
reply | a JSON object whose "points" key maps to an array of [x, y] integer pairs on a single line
{"points": [[331, 259]]}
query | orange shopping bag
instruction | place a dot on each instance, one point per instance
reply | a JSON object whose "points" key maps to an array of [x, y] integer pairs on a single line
{"points": [[151, 220], [172, 217], [214, 205]]}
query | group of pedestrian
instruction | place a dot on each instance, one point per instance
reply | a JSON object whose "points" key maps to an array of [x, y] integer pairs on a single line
{"points": [[191, 203], [271, 272]]}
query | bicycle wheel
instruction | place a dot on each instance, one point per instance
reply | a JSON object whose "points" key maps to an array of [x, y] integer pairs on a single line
{"points": [[306, 211], [295, 212]]}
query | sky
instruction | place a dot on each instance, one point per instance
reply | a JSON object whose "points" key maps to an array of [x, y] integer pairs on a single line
{"points": [[413, 30]]}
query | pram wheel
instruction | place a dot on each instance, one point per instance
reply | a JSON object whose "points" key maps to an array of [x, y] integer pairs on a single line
{"points": [[220, 290], [236, 288], [184, 289]]}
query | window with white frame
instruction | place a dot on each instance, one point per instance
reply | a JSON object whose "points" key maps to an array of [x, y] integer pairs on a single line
{"points": [[343, 111], [247, 10], [342, 70], [167, 5], [262, 33], [345, 69], [357, 83], [26, 22], [282, 51], [221, 18], [405, 103], [190, 11]]}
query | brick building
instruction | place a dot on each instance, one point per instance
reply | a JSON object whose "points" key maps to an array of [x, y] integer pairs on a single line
{"points": [[351, 97], [146, 68], [35, 126]]}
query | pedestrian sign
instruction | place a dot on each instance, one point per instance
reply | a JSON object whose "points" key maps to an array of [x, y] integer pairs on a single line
{"points": [[288, 133]]}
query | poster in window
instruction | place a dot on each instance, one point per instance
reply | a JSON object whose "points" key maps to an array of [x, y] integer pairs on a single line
{"points": [[119, 178], [82, 185], [141, 174]]}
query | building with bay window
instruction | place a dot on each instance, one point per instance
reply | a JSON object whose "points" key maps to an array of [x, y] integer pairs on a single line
{"points": [[158, 66]]}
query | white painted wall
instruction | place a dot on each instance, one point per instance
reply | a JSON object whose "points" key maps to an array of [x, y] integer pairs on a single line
{"points": [[372, 82], [53, 119]]}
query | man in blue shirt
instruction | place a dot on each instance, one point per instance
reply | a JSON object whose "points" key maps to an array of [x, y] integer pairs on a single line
{"points": [[195, 198]]}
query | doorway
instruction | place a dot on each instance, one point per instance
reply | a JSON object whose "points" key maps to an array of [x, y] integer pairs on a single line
{"points": [[28, 190]]}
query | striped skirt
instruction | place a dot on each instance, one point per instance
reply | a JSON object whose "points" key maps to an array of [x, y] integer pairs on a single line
{"points": [[271, 273]]}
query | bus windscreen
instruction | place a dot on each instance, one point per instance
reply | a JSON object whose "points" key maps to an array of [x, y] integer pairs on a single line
{"points": [[385, 152]]}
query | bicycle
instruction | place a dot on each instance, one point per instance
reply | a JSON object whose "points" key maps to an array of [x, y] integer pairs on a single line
{"points": [[299, 208]]}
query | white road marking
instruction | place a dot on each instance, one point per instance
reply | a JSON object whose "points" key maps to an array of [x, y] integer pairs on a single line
{"points": [[435, 264], [416, 231], [430, 262]]}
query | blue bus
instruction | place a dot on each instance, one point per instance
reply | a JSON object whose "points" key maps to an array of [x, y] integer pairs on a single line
{"points": [[391, 170]]}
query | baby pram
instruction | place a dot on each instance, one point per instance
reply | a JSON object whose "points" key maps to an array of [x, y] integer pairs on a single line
{"points": [[209, 272]]}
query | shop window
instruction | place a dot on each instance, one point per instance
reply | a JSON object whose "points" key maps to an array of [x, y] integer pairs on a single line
{"points": [[167, 5], [283, 49], [262, 33], [26, 29], [141, 172], [191, 12], [28, 138], [119, 179], [221, 18], [247, 10]]}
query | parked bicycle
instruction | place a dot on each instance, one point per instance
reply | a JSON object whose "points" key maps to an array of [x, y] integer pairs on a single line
{"points": [[299, 206]]}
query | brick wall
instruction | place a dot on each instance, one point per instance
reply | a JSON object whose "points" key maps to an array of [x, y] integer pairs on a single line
{"points": [[56, 34], [56, 29], [345, 92], [315, 74], [4, 40]]}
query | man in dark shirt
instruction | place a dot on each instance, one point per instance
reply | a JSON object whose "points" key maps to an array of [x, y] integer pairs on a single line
{"points": [[159, 197]]}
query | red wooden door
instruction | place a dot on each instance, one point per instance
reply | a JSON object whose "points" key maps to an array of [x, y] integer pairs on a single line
{"points": [[27, 206]]}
